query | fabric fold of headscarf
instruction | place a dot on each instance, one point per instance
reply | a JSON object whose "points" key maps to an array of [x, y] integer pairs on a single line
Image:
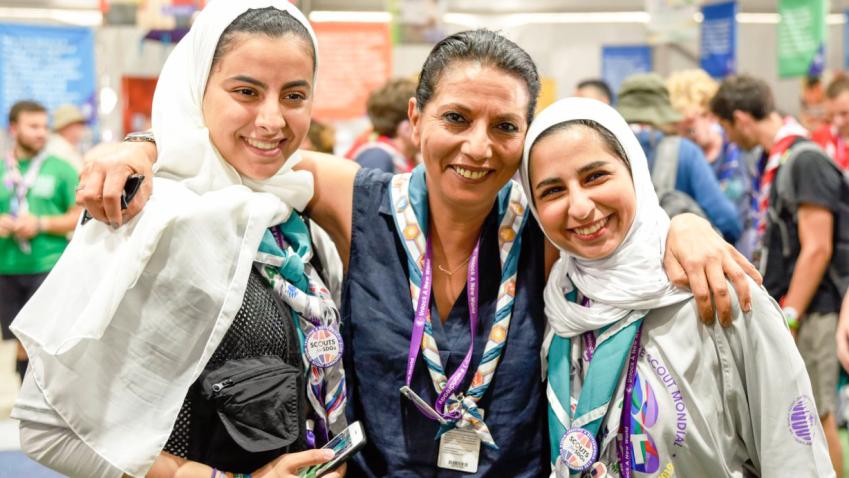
{"points": [[128, 318]]}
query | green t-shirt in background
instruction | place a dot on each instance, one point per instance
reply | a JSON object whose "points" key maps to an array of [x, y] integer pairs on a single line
{"points": [[52, 194]]}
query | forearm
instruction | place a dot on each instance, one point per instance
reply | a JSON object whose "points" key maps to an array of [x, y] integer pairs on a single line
{"points": [[810, 268], [60, 225]]}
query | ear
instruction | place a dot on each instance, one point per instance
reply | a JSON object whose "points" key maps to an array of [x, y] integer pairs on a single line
{"points": [[742, 118], [414, 115]]}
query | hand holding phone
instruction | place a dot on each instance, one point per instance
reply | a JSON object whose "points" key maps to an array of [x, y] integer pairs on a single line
{"points": [[131, 187], [344, 446]]}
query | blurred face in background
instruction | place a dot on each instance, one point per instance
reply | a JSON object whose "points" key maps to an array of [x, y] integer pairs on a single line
{"points": [[699, 126], [838, 111], [30, 132]]}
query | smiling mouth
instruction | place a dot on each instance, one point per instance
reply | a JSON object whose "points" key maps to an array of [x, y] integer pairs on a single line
{"points": [[468, 173], [592, 230], [264, 146]]}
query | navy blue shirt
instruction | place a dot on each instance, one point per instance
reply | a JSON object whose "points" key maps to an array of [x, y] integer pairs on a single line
{"points": [[377, 320]]}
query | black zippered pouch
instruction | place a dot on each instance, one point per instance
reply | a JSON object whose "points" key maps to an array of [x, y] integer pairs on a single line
{"points": [[257, 401]]}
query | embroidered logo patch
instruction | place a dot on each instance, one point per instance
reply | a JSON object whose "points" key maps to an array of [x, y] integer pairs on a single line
{"points": [[802, 419], [644, 412]]}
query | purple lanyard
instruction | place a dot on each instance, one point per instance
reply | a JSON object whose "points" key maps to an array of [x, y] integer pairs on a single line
{"points": [[625, 447], [422, 313]]}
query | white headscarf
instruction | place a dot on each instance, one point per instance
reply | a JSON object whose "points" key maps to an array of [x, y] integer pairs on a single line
{"points": [[127, 319], [631, 280]]}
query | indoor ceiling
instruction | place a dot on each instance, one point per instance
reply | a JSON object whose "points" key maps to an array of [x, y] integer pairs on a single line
{"points": [[457, 6]]}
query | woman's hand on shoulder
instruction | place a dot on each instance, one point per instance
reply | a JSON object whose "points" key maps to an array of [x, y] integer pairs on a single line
{"points": [[843, 334], [698, 258], [106, 168]]}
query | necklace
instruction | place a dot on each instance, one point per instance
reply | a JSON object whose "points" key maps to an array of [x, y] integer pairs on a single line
{"points": [[451, 272]]}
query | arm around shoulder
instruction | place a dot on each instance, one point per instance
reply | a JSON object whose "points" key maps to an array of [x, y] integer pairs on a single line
{"points": [[332, 203]]}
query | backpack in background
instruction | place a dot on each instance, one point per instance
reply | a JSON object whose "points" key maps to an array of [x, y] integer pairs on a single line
{"points": [[663, 174]]}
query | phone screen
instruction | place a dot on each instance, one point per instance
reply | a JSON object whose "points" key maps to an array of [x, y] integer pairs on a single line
{"points": [[343, 445]]}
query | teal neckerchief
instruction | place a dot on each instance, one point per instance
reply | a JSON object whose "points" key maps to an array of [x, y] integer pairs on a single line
{"points": [[295, 231], [608, 362]]}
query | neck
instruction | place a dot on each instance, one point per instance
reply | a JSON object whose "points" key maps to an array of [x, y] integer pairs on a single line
{"points": [[454, 232], [21, 152], [767, 129]]}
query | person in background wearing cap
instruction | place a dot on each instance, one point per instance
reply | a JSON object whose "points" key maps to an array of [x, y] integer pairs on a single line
{"points": [[69, 125], [690, 92], [643, 101]]}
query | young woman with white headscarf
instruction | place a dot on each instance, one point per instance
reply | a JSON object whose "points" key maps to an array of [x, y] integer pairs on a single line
{"points": [[185, 336], [634, 389]]}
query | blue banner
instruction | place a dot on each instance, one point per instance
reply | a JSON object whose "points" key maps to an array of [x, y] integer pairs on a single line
{"points": [[719, 39], [846, 42], [51, 65], [620, 62]]}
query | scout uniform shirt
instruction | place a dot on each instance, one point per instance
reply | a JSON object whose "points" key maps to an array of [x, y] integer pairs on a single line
{"points": [[714, 401]]}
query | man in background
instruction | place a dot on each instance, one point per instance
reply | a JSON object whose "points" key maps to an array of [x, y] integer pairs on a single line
{"points": [[833, 136], [69, 129], [594, 88], [388, 146], [804, 207], [37, 211]]}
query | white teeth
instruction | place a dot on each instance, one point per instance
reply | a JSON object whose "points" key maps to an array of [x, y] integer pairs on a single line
{"points": [[591, 229], [469, 174], [262, 144]]}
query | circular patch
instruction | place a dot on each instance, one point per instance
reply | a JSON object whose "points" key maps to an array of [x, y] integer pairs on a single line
{"points": [[578, 449], [323, 347], [802, 420]]}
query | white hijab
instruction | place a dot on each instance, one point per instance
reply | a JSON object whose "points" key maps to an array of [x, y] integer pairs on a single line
{"points": [[127, 319], [631, 280]]}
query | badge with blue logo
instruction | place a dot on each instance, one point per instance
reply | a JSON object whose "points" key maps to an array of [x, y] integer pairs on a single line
{"points": [[323, 347], [578, 449]]}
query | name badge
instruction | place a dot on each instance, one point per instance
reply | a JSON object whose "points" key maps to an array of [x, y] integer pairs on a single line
{"points": [[460, 450], [323, 347]]}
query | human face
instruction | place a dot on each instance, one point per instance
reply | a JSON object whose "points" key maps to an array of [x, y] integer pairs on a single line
{"points": [[471, 135], [697, 125], [583, 193], [838, 111], [257, 102], [30, 132], [741, 131], [73, 133]]}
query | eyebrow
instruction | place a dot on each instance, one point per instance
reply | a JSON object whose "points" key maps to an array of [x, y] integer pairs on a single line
{"points": [[583, 170], [589, 167], [259, 84], [548, 182]]}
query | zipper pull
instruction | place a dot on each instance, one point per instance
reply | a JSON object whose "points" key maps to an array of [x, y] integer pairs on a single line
{"points": [[221, 385]]}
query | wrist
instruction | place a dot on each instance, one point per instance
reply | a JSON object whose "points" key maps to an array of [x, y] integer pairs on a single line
{"points": [[146, 141], [791, 316]]}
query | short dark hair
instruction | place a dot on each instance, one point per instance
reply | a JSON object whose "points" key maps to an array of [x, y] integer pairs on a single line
{"points": [[838, 85], [267, 21], [608, 139], [25, 106], [744, 93], [485, 47], [387, 105], [599, 85]]}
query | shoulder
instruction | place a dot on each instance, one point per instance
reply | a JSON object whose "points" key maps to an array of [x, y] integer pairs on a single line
{"points": [[59, 166], [690, 153], [375, 158]]}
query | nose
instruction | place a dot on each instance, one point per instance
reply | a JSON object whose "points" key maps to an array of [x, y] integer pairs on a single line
{"points": [[478, 145], [580, 204], [270, 116]]}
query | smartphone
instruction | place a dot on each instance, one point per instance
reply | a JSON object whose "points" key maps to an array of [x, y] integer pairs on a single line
{"points": [[131, 187], [344, 446]]}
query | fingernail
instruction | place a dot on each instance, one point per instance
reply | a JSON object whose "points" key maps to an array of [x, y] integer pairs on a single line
{"points": [[747, 307], [328, 454], [114, 225]]}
